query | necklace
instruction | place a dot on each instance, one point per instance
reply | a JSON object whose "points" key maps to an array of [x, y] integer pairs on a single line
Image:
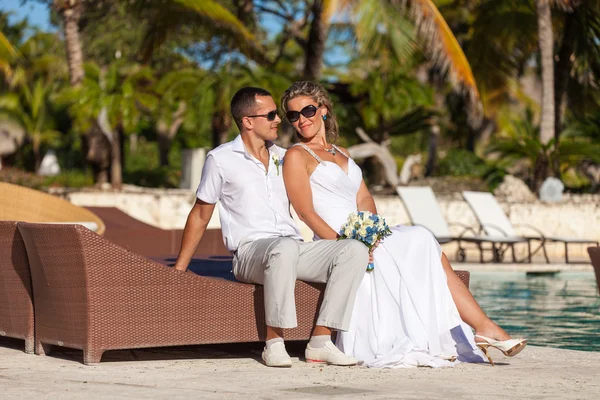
{"points": [[331, 150]]}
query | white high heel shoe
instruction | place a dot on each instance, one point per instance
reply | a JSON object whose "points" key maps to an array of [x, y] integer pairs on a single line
{"points": [[509, 348]]}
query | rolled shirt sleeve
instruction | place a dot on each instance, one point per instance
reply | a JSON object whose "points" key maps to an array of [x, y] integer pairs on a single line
{"points": [[211, 183]]}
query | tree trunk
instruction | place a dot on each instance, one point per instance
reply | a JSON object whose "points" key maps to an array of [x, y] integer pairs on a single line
{"points": [[166, 133], [545, 39], [71, 12], [116, 166], [540, 172], [221, 123], [245, 12], [563, 69], [315, 45], [37, 157], [96, 148], [432, 150]]}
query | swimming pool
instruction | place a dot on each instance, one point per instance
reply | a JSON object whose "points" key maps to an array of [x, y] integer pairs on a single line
{"points": [[560, 311]]}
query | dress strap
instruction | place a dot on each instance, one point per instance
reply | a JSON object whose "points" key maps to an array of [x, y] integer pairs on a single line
{"points": [[338, 149], [312, 153]]}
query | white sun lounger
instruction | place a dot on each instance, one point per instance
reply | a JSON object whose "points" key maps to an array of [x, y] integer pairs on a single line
{"points": [[494, 221], [424, 209]]}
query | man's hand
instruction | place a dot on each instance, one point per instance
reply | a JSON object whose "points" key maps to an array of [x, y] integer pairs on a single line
{"points": [[179, 268]]}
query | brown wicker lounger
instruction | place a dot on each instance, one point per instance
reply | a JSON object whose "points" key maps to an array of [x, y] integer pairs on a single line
{"points": [[93, 295], [18, 203], [16, 306], [594, 253], [150, 241]]}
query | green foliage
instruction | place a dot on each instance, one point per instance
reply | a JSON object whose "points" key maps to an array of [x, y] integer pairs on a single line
{"points": [[70, 178], [149, 59], [521, 143], [458, 162], [392, 103], [19, 177], [123, 91], [142, 168]]}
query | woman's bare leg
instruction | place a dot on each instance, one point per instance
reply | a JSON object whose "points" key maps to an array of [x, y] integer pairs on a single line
{"points": [[467, 306]]}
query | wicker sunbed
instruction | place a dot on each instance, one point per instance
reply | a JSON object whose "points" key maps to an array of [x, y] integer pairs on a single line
{"points": [[16, 306], [18, 203], [150, 241], [93, 295], [594, 253]]}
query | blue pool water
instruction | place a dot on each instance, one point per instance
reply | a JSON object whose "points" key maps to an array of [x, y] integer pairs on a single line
{"points": [[562, 311]]}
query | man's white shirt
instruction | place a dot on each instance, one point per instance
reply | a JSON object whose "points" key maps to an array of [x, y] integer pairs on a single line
{"points": [[253, 201]]}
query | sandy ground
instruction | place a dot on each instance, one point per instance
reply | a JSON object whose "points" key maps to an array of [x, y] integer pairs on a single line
{"points": [[235, 372]]}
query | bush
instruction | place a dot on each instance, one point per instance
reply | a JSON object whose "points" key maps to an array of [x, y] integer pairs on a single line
{"points": [[73, 178], [460, 162], [463, 163], [142, 166]]}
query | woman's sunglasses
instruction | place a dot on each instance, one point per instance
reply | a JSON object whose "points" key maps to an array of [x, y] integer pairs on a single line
{"points": [[307, 112], [269, 116]]}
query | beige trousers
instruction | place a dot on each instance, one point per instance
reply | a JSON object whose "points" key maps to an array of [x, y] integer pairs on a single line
{"points": [[276, 263]]}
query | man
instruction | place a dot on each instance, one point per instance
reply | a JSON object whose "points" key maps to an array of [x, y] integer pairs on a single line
{"points": [[245, 175]]}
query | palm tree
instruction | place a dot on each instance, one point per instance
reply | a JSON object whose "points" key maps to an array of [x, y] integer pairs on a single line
{"points": [[166, 17], [121, 95], [523, 144], [34, 72], [181, 95], [70, 11], [8, 55], [578, 65], [31, 109], [546, 43], [372, 17]]}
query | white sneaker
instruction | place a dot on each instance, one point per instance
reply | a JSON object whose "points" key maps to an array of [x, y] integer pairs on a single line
{"points": [[329, 355], [276, 356]]}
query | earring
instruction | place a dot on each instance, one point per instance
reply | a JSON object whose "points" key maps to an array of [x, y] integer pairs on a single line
{"points": [[324, 117]]}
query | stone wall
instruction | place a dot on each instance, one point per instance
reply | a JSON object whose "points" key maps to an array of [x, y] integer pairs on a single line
{"points": [[576, 216]]}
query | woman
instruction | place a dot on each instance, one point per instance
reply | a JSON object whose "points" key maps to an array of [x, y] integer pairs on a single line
{"points": [[410, 310]]}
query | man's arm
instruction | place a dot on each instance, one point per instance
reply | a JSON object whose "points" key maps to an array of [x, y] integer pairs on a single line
{"points": [[196, 224]]}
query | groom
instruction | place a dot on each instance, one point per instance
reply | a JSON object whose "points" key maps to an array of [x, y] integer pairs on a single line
{"points": [[245, 175]]}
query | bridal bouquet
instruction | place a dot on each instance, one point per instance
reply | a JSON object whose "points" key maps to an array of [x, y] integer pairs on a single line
{"points": [[367, 228]]}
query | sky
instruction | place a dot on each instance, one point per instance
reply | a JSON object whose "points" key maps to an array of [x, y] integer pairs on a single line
{"points": [[36, 13]]}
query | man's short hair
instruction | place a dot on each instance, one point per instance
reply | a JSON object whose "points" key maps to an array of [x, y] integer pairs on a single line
{"points": [[243, 102]]}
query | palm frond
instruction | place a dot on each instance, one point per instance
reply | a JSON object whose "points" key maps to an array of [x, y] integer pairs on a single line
{"points": [[444, 50], [170, 15], [7, 51]]}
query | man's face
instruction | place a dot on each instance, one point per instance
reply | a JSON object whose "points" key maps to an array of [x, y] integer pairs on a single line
{"points": [[259, 119]]}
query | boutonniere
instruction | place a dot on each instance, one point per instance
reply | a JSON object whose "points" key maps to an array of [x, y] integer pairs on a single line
{"points": [[278, 161]]}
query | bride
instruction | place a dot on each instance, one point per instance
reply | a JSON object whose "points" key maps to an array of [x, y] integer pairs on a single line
{"points": [[409, 310]]}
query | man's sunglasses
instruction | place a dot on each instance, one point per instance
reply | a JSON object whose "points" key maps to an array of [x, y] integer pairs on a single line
{"points": [[307, 112], [269, 116]]}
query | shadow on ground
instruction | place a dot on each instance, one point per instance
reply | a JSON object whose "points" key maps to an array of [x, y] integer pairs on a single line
{"points": [[198, 352]]}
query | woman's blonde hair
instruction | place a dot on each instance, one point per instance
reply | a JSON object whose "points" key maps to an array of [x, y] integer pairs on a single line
{"points": [[320, 96]]}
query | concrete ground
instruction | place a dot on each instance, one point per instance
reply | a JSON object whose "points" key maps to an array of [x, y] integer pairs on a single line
{"points": [[235, 372], [538, 267]]}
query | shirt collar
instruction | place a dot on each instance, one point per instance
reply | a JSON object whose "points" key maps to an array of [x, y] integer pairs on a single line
{"points": [[239, 147]]}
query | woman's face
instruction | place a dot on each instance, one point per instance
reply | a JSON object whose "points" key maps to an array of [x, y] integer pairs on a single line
{"points": [[307, 127]]}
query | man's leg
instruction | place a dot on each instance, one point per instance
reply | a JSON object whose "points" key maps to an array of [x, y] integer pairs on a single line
{"points": [[272, 263], [342, 265], [468, 308]]}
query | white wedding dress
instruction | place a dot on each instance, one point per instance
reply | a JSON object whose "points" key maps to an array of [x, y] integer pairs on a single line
{"points": [[404, 315]]}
